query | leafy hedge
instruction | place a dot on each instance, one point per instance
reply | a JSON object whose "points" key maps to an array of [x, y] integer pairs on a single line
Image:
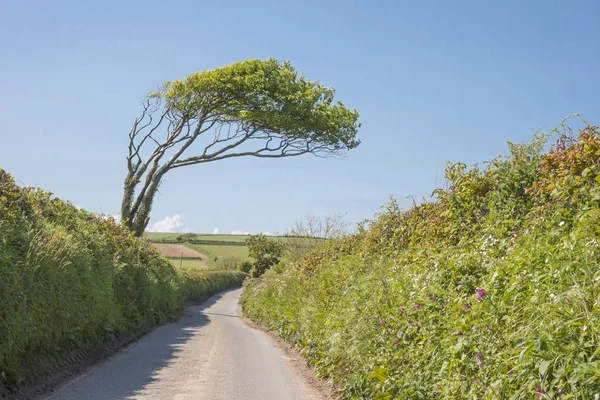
{"points": [[69, 279], [492, 291]]}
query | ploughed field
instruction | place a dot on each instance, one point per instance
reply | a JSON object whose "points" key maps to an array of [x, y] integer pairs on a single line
{"points": [[200, 251], [177, 250]]}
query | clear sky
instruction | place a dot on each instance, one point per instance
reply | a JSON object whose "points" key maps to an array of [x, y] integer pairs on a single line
{"points": [[433, 81]]}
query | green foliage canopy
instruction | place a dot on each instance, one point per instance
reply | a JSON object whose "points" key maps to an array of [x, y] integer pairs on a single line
{"points": [[258, 108], [266, 253]]}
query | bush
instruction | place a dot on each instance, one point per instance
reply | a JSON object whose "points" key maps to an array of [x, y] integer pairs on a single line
{"points": [[227, 264], [245, 266], [491, 291], [266, 252], [70, 279]]}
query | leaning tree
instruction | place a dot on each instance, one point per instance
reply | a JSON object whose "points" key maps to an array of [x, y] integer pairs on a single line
{"points": [[259, 108]]}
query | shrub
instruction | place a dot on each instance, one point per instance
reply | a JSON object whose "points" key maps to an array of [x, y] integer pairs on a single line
{"points": [[245, 266], [228, 264], [266, 252], [490, 291]]}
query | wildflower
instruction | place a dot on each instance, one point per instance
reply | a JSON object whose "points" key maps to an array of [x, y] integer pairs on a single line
{"points": [[431, 296], [417, 306], [538, 392], [380, 323], [480, 293], [401, 309], [467, 306], [475, 382], [25, 305], [395, 343], [479, 360], [458, 332], [474, 328]]}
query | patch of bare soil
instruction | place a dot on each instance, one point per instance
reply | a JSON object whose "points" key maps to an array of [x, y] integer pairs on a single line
{"points": [[178, 250]]}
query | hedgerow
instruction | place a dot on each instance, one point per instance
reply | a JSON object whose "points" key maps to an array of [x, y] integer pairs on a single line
{"points": [[491, 291], [70, 279]]}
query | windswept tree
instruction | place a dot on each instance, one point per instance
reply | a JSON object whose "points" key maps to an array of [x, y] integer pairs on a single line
{"points": [[258, 108]]}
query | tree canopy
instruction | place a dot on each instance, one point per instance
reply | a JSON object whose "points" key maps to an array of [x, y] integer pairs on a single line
{"points": [[259, 108]]}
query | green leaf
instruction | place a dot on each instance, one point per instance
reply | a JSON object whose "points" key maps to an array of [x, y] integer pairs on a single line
{"points": [[585, 172], [543, 367], [382, 396], [380, 373]]}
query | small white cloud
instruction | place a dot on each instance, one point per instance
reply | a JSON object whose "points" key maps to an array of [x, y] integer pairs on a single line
{"points": [[216, 231], [169, 224], [268, 233], [239, 233], [117, 218]]}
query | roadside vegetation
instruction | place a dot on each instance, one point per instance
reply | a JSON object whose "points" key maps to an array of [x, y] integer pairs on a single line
{"points": [[489, 291], [71, 280]]}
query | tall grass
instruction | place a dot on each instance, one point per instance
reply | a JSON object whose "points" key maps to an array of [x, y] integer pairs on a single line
{"points": [[69, 279], [492, 291]]}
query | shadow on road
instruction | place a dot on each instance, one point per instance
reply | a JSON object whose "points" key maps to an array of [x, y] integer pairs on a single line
{"points": [[125, 375]]}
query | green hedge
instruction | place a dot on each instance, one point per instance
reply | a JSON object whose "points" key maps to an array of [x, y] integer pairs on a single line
{"points": [[69, 279], [492, 291]]}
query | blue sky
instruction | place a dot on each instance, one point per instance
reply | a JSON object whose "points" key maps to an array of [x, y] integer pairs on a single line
{"points": [[433, 81]]}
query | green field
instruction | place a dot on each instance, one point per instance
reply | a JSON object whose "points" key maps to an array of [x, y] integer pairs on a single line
{"points": [[158, 236], [220, 250], [191, 263]]}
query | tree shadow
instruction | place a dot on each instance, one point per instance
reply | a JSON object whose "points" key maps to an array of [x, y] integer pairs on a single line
{"points": [[125, 375]]}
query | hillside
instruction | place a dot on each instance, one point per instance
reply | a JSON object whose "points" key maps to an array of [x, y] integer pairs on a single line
{"points": [[490, 291]]}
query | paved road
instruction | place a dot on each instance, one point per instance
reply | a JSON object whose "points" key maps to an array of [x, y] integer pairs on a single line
{"points": [[209, 354]]}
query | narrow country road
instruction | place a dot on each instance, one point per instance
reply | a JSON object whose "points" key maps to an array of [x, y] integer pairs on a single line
{"points": [[210, 353]]}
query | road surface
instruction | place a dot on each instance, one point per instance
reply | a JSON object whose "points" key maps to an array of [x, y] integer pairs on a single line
{"points": [[210, 353]]}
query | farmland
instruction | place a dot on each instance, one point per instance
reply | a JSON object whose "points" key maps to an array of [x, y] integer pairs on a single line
{"points": [[213, 250], [172, 236], [177, 250]]}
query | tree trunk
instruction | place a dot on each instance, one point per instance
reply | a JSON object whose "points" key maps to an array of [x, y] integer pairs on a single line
{"points": [[137, 219]]}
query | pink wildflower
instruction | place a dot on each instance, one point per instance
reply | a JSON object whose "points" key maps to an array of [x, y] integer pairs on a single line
{"points": [[480, 293], [538, 392]]}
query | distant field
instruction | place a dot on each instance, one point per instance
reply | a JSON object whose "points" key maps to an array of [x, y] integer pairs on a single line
{"points": [[178, 250], [152, 236], [219, 251], [191, 263]]}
